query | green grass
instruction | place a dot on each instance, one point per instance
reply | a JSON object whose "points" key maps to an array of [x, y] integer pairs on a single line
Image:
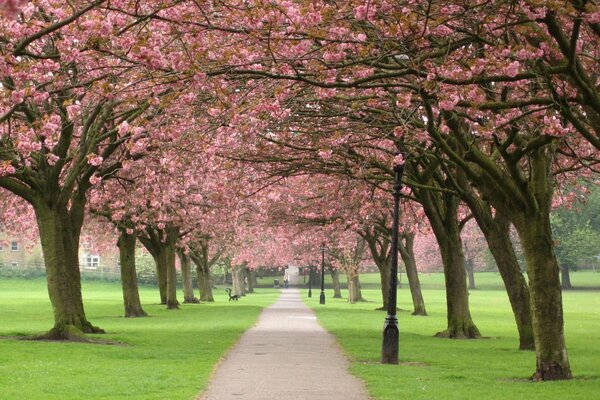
{"points": [[169, 355], [492, 368]]}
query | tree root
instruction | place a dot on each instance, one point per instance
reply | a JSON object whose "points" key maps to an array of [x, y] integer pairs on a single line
{"points": [[456, 334]]}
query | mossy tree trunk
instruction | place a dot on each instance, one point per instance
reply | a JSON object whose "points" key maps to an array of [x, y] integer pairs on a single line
{"points": [[521, 188], [199, 252], [238, 275], [385, 279], [249, 279], [495, 226], [546, 298], [565, 282], [354, 292], [441, 209], [406, 248], [152, 240], [379, 239], [186, 277], [59, 230], [335, 278], [533, 226], [161, 243], [131, 295], [469, 268], [498, 238], [172, 235]]}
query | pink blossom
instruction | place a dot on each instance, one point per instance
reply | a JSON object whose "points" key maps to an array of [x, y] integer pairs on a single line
{"points": [[17, 96], [123, 128], [450, 103], [12, 7], [52, 158], [399, 131], [512, 69], [95, 179], [360, 12], [403, 100], [398, 160], [325, 154], [94, 159]]}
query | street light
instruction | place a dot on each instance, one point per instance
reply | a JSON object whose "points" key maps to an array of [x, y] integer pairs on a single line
{"points": [[391, 333], [322, 297]]}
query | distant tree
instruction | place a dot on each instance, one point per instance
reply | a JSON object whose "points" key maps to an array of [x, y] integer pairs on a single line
{"points": [[576, 230]]}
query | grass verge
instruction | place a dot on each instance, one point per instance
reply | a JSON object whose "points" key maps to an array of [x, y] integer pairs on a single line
{"points": [[491, 368], [169, 355]]}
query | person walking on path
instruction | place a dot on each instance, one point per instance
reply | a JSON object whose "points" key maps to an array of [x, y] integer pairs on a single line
{"points": [[286, 345]]}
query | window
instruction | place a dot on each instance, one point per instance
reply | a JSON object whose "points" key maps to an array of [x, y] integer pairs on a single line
{"points": [[92, 261], [14, 246]]}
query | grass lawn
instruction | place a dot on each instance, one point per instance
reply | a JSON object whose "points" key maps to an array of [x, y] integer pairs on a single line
{"points": [[169, 355], [490, 368]]}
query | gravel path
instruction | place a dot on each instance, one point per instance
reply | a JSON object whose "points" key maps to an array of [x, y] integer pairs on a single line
{"points": [[286, 356]]}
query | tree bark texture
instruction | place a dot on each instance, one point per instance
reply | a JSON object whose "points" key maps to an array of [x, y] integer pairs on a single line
{"points": [[59, 236], [249, 279], [131, 295], [441, 210], [170, 250], [406, 248], [498, 238], [470, 273], [529, 211], [152, 241], [354, 292], [385, 278], [204, 283], [552, 362], [238, 275], [335, 278], [186, 276], [566, 277]]}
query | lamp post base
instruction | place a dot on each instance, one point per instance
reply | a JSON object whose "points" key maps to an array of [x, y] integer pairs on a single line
{"points": [[322, 298], [309, 293], [389, 347]]}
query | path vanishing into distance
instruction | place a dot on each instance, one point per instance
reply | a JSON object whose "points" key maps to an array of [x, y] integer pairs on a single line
{"points": [[287, 355]]}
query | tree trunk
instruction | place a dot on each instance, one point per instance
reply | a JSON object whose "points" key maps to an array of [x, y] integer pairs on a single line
{"points": [[497, 234], [170, 250], [460, 324], [250, 279], [159, 255], [408, 258], [441, 210], [161, 273], [186, 276], [566, 277], [385, 277], [470, 273], [59, 237], [315, 280], [131, 296], [204, 283], [335, 278], [237, 275], [354, 292], [546, 297]]}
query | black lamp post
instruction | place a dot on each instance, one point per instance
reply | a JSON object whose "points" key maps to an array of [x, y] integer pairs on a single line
{"points": [[391, 333], [322, 297], [310, 281]]}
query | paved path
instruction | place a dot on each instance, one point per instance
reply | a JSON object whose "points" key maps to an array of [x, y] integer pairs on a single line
{"points": [[286, 356]]}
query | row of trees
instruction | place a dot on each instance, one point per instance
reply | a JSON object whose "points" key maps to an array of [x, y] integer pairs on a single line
{"points": [[229, 122]]}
